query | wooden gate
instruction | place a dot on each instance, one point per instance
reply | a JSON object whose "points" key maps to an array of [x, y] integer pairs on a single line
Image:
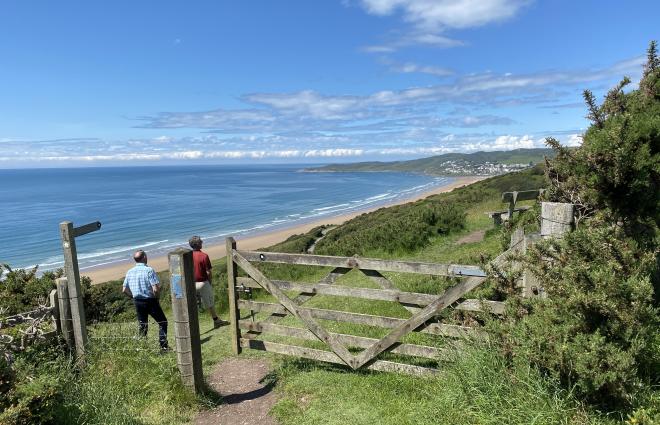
{"points": [[423, 307]]}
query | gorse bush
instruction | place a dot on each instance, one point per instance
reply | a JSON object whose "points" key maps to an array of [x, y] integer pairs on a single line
{"points": [[597, 331], [30, 391], [616, 171], [22, 290], [398, 228]]}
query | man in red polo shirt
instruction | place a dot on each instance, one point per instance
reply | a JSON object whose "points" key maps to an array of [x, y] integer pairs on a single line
{"points": [[203, 279]]}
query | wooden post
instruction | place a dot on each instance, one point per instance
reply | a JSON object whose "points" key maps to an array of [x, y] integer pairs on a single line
{"points": [[75, 291], [531, 287], [556, 219], [186, 321], [54, 302], [234, 314], [66, 322]]}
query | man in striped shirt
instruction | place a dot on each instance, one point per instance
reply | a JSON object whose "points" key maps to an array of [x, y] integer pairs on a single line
{"points": [[142, 285]]}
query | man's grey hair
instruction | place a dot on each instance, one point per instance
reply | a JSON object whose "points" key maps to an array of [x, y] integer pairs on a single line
{"points": [[139, 256], [195, 242]]}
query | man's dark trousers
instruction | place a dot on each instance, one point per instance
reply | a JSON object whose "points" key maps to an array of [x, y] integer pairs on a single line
{"points": [[146, 307]]}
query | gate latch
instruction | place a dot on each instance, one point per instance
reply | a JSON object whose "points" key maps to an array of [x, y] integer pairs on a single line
{"points": [[245, 289]]}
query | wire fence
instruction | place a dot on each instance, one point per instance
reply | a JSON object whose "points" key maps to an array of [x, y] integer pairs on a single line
{"points": [[126, 336]]}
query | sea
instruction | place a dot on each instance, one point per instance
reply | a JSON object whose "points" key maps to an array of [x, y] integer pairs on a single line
{"points": [[157, 208]]}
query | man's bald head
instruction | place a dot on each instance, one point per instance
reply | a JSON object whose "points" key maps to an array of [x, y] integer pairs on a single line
{"points": [[140, 256]]}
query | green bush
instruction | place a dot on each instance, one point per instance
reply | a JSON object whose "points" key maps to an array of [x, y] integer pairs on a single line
{"points": [[597, 331], [31, 390], [616, 171], [398, 228], [105, 301], [22, 290]]}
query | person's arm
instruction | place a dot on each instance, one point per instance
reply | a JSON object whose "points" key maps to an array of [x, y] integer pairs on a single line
{"points": [[155, 283], [126, 290], [208, 270]]}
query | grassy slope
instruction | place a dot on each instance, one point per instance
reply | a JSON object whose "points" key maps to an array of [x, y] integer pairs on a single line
{"points": [[479, 388]]}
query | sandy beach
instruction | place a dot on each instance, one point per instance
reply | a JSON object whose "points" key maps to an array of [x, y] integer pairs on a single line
{"points": [[159, 263]]}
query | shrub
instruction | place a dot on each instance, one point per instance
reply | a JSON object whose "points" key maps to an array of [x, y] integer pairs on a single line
{"points": [[398, 228], [616, 171], [597, 330], [31, 390], [22, 290], [105, 301]]}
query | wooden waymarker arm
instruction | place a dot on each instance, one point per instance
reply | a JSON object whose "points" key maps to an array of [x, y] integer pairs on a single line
{"points": [[86, 228]]}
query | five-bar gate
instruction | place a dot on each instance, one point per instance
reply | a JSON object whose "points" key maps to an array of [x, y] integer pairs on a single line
{"points": [[423, 308]]}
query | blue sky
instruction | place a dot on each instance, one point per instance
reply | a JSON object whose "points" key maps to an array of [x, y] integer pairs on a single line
{"points": [[160, 82]]}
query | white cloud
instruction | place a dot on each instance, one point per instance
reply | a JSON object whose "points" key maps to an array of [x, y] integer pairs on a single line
{"points": [[408, 68], [573, 140], [409, 142], [505, 143], [429, 19], [333, 153], [439, 14]]}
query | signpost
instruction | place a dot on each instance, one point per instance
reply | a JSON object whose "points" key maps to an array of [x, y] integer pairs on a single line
{"points": [[68, 234]]}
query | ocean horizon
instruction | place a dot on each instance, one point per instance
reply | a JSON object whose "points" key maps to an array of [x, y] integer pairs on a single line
{"points": [[157, 208]]}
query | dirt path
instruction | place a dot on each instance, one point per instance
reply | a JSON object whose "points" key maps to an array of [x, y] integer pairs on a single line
{"points": [[247, 400], [476, 236], [324, 232]]}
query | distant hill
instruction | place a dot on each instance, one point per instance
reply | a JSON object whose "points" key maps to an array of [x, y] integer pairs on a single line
{"points": [[454, 164]]}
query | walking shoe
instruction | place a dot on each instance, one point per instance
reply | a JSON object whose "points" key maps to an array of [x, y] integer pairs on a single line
{"points": [[219, 322]]}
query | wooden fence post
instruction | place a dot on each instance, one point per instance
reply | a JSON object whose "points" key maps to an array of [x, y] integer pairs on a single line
{"points": [[55, 304], [186, 321], [234, 317], [556, 218], [65, 312], [512, 205], [531, 287], [75, 291]]}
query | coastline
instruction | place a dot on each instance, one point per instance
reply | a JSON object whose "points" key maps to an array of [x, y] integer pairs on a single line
{"points": [[215, 251]]}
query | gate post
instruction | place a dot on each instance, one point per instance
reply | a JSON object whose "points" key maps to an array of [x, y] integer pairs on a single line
{"points": [[556, 218], [66, 324], [234, 314], [54, 303], [186, 321], [72, 272]]}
